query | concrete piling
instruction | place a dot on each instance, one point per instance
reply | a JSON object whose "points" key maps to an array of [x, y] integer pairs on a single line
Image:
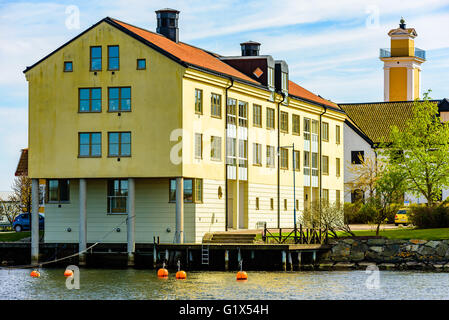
{"points": [[226, 260], [284, 261], [290, 262]]}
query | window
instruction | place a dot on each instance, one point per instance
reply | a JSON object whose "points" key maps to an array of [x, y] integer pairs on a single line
{"points": [[198, 146], [270, 77], [193, 190], [337, 166], [95, 59], [215, 148], [271, 204], [296, 160], [325, 165], [306, 129], [325, 131], [297, 204], [89, 144], [270, 156], [68, 66], [243, 114], [295, 124], [337, 198], [337, 134], [215, 105], [58, 190], [326, 195], [270, 118], [257, 203], [141, 64], [89, 100], [315, 126], [284, 158], [117, 195], [284, 81], [119, 144], [357, 157], [232, 111], [113, 58], [315, 164], [198, 101], [284, 121], [257, 115], [257, 154], [231, 151], [198, 185], [285, 204], [243, 153], [120, 99], [306, 163]]}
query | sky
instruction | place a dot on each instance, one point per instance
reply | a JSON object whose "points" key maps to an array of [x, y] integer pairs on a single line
{"points": [[331, 47]]}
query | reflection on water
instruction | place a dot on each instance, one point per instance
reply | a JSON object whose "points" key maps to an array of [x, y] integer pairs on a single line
{"points": [[143, 284]]}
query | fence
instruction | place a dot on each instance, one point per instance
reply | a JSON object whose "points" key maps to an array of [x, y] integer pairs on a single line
{"points": [[298, 235]]}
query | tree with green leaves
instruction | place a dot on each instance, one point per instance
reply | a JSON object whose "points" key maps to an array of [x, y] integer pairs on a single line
{"points": [[420, 151]]}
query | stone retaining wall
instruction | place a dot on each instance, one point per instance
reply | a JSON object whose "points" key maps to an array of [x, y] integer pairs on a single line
{"points": [[387, 254]]}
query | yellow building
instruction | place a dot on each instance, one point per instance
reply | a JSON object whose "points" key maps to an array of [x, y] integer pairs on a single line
{"points": [[402, 65], [124, 123]]}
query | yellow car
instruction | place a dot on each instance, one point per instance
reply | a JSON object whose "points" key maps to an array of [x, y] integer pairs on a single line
{"points": [[401, 217]]}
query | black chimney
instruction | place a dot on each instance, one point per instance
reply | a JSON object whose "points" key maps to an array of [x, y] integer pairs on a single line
{"points": [[402, 23], [250, 48], [167, 23]]}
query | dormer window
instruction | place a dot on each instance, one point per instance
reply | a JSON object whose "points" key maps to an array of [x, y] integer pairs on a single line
{"points": [[270, 77], [284, 82]]}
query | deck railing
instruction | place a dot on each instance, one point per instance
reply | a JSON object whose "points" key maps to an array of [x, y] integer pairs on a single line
{"points": [[386, 53], [299, 235]]}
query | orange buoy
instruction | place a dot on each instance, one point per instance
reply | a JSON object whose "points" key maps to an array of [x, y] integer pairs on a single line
{"points": [[241, 275], [68, 273], [181, 275], [162, 273], [35, 274]]}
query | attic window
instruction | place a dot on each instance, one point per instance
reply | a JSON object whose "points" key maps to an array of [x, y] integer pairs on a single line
{"points": [[141, 64], [68, 66]]}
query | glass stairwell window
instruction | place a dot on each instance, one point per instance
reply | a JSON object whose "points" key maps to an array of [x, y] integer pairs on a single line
{"points": [[231, 111], [306, 129], [306, 163], [243, 114]]}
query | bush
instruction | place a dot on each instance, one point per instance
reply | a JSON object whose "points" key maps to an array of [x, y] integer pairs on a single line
{"points": [[430, 217], [359, 213]]}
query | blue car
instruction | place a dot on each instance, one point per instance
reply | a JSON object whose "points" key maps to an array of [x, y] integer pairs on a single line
{"points": [[22, 222]]}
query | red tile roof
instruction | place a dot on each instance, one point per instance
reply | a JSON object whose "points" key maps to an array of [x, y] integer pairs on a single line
{"points": [[297, 90], [187, 52], [22, 166]]}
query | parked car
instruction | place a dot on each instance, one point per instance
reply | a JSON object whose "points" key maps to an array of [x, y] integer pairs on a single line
{"points": [[401, 217], [22, 222]]}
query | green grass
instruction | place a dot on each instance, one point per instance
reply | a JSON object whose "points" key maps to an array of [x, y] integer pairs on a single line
{"points": [[401, 233], [406, 234], [11, 236]]}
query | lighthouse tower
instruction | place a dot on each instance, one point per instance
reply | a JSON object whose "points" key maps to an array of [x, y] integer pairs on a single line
{"points": [[402, 65]]}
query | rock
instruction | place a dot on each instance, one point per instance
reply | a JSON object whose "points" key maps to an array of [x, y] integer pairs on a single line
{"points": [[325, 266], [413, 265], [418, 241], [340, 252], [426, 251], [349, 241], [387, 266], [376, 241], [344, 265], [442, 249], [433, 244], [357, 255], [377, 249]]}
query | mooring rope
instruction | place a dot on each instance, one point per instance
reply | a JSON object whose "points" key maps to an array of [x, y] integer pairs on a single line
{"points": [[39, 265]]}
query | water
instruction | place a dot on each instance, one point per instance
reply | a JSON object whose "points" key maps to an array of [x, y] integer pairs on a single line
{"points": [[143, 284]]}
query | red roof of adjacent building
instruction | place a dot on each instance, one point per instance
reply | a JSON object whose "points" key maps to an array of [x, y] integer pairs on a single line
{"points": [[22, 166]]}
